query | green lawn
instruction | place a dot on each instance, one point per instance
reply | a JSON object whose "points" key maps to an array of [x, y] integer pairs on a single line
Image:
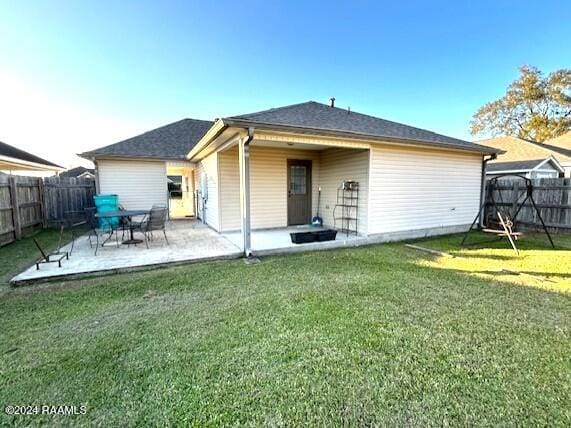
{"points": [[15, 256], [375, 335]]}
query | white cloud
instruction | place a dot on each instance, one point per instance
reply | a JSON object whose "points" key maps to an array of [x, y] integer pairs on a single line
{"points": [[44, 123]]}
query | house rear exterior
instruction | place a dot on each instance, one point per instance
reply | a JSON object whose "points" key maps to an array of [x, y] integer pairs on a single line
{"points": [[270, 169], [138, 169]]}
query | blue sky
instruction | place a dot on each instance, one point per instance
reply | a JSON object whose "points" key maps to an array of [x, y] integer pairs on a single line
{"points": [[120, 68]]}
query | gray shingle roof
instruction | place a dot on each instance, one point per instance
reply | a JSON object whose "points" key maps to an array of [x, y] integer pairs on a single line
{"points": [[559, 150], [172, 141], [319, 116], [14, 152], [77, 171], [523, 165]]}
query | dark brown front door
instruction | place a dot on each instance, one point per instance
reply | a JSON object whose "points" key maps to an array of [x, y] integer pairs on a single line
{"points": [[298, 192]]}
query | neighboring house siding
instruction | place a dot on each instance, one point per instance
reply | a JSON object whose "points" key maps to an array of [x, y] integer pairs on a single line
{"points": [[337, 165], [268, 188], [545, 171], [419, 189], [207, 185], [139, 184]]}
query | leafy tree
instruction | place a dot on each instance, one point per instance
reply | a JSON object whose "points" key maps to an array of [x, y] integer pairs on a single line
{"points": [[534, 107]]}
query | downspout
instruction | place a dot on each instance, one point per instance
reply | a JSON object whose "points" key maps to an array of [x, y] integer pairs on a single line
{"points": [[244, 155], [483, 186], [97, 184]]}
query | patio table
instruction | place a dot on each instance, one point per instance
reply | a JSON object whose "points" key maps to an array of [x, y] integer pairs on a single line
{"points": [[128, 214]]}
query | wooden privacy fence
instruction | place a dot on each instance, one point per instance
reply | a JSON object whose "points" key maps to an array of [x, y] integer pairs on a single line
{"points": [[29, 203], [552, 197]]}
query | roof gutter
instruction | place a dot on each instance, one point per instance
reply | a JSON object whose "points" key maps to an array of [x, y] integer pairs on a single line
{"points": [[91, 156]]}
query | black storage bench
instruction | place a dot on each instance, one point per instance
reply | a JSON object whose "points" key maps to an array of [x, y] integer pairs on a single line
{"points": [[317, 236]]}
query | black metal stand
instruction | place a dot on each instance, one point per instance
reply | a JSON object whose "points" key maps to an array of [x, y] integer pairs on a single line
{"points": [[346, 211]]}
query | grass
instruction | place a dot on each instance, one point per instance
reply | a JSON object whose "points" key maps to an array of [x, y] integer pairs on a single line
{"points": [[14, 257], [538, 265], [375, 335]]}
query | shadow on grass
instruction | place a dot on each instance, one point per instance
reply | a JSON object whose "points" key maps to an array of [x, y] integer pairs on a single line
{"points": [[538, 275], [478, 240]]}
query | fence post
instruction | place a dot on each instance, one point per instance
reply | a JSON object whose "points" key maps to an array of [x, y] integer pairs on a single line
{"points": [[43, 212], [15, 207]]}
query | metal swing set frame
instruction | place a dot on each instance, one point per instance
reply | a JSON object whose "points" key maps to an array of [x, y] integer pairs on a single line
{"points": [[506, 221]]}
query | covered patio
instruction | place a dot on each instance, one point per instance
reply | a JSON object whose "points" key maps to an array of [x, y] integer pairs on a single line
{"points": [[256, 190], [189, 240], [278, 241]]}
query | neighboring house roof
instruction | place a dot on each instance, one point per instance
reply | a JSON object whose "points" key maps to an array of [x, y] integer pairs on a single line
{"points": [[322, 118], [78, 171], [563, 141], [172, 141], [14, 158], [560, 145], [517, 149], [523, 165]]}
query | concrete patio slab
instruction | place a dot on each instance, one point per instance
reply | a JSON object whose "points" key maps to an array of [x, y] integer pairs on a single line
{"points": [[189, 241], [278, 241]]}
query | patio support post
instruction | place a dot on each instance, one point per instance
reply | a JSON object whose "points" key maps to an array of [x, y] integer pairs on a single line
{"points": [[244, 158]]}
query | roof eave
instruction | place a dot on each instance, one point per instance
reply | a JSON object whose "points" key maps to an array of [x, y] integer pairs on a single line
{"points": [[553, 161], [30, 165], [509, 171], [215, 130], [92, 156], [355, 135]]}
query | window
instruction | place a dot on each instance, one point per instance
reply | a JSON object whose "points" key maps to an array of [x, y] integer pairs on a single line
{"points": [[297, 177], [175, 186]]}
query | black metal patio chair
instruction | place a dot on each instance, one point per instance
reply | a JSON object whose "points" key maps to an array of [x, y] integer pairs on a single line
{"points": [[96, 231], [155, 221], [72, 220]]}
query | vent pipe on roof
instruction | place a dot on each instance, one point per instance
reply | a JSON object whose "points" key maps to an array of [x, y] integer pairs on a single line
{"points": [[332, 99]]}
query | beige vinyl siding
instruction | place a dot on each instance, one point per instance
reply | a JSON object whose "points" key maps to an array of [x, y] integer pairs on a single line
{"points": [[139, 184], [268, 185], [337, 165], [418, 189], [229, 189], [207, 169]]}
